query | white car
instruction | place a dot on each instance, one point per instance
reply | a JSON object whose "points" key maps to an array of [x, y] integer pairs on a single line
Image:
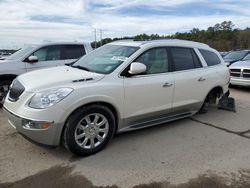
{"points": [[240, 72], [36, 57], [119, 87]]}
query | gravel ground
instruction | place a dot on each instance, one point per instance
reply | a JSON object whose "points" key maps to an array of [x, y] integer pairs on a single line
{"points": [[206, 150]]}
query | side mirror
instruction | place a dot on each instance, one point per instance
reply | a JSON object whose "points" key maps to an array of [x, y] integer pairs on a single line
{"points": [[137, 68], [33, 59]]}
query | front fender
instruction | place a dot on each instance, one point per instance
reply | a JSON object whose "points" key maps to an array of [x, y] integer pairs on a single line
{"points": [[70, 108]]}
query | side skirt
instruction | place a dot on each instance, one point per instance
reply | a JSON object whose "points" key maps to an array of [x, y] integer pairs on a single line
{"points": [[154, 122]]}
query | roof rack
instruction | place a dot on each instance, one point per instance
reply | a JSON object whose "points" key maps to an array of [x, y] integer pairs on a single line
{"points": [[170, 40], [153, 39]]}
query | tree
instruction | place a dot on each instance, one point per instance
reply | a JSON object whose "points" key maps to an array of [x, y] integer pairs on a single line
{"points": [[221, 36]]}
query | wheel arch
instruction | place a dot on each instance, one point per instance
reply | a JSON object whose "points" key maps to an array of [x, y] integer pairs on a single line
{"points": [[110, 106], [214, 93]]}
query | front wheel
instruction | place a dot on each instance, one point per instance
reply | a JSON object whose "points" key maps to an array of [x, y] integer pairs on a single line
{"points": [[89, 130], [4, 88]]}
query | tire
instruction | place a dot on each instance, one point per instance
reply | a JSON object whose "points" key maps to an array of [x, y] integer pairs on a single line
{"points": [[4, 88], [204, 107], [82, 129]]}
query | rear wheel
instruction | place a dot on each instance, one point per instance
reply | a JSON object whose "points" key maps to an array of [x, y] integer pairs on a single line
{"points": [[89, 130], [204, 107], [211, 98], [4, 88]]}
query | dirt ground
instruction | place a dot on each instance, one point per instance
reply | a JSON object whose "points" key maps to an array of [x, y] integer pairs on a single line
{"points": [[207, 150]]}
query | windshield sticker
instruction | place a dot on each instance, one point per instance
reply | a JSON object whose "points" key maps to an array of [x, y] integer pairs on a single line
{"points": [[119, 58]]}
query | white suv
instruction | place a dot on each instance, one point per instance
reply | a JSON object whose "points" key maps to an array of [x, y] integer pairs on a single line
{"points": [[36, 57], [119, 87]]}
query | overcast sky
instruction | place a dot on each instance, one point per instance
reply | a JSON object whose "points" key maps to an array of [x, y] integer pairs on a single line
{"points": [[33, 21]]}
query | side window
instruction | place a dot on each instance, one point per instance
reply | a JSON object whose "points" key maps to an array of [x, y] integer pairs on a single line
{"points": [[210, 57], [156, 60], [41, 54], [48, 53], [184, 58], [73, 51]]}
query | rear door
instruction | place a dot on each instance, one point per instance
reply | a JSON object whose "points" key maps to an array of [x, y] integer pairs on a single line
{"points": [[149, 96], [190, 80], [72, 52], [216, 71], [48, 56]]}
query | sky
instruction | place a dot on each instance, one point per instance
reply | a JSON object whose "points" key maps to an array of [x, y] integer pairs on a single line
{"points": [[24, 22]]}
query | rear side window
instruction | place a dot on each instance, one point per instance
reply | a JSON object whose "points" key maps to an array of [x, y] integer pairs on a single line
{"points": [[210, 57], [184, 59], [73, 51]]}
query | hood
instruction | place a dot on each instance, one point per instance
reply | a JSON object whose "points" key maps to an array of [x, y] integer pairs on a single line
{"points": [[241, 64], [56, 77]]}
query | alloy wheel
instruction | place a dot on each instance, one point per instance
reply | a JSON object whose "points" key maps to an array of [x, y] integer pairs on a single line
{"points": [[91, 131]]}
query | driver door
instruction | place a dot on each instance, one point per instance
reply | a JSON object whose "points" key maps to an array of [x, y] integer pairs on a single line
{"points": [[48, 56], [148, 97]]}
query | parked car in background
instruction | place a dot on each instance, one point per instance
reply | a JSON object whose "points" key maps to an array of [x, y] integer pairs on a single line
{"points": [[223, 54], [36, 57], [121, 86], [234, 56], [4, 55], [240, 72]]}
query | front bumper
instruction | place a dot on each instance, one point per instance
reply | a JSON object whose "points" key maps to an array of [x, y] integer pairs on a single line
{"points": [[240, 81], [50, 136]]}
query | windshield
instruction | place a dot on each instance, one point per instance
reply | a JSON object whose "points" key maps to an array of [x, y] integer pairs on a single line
{"points": [[105, 59], [247, 58], [235, 55], [20, 53]]}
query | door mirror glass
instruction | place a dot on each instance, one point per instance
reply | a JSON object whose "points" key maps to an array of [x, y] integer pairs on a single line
{"points": [[137, 68], [33, 59]]}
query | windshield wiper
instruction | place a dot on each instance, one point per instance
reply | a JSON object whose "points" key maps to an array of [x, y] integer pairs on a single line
{"points": [[71, 63], [81, 67]]}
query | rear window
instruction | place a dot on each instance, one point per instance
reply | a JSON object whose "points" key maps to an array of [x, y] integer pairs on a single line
{"points": [[184, 59], [210, 57], [73, 51]]}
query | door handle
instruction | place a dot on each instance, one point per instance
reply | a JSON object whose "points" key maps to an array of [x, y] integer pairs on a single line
{"points": [[167, 84], [201, 79]]}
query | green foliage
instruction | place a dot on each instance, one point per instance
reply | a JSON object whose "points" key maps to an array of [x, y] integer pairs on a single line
{"points": [[222, 37]]}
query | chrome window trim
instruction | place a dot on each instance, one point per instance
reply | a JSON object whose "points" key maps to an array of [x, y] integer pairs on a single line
{"points": [[157, 74]]}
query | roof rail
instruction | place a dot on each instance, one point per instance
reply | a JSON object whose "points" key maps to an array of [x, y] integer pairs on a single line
{"points": [[171, 40]]}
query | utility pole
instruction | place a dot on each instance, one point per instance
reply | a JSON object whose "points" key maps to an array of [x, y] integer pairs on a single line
{"points": [[96, 32], [95, 38], [101, 37]]}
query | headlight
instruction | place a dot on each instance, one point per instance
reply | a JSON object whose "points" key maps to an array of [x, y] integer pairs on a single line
{"points": [[49, 98]]}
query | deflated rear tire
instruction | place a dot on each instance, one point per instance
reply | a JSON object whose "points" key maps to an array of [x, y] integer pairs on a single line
{"points": [[89, 130]]}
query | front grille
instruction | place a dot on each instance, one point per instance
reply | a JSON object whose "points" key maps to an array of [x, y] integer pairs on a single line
{"points": [[246, 73], [235, 72], [243, 73], [16, 91]]}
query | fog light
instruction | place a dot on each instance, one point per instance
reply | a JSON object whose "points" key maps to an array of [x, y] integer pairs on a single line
{"points": [[29, 124]]}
